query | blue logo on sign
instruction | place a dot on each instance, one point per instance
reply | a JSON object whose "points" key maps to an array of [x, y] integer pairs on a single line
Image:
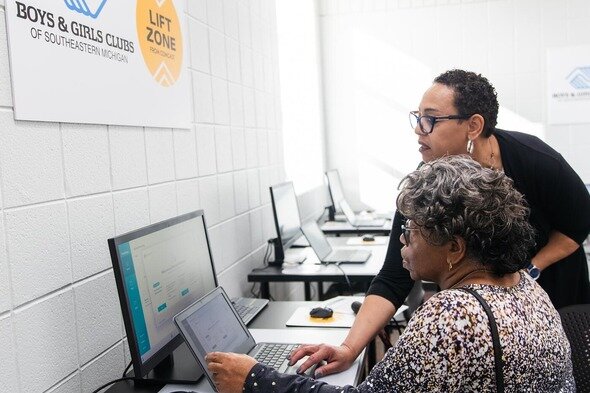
{"points": [[82, 6], [579, 78]]}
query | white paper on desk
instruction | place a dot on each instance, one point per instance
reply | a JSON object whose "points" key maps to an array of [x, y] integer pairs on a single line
{"points": [[343, 315], [358, 241]]}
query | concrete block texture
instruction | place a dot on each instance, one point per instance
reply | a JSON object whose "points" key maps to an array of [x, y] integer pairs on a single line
{"points": [[5, 294], [206, 156], [162, 202], [86, 159], [70, 384], [5, 88], [98, 316], [45, 334], [128, 157], [103, 369], [185, 154], [131, 210], [223, 148], [31, 161], [91, 222], [38, 247], [209, 198], [8, 356], [159, 144], [187, 196], [199, 44]]}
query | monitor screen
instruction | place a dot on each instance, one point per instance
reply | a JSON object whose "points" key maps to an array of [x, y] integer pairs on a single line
{"points": [[160, 270], [335, 187], [286, 213]]}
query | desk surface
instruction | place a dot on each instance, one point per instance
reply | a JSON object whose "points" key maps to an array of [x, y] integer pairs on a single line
{"points": [[274, 316], [340, 227], [311, 270]]}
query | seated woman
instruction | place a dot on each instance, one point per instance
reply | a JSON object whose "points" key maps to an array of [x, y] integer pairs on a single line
{"points": [[466, 228]]}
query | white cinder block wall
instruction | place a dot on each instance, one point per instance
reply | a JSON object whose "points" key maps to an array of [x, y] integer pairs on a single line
{"points": [[66, 188], [380, 55]]}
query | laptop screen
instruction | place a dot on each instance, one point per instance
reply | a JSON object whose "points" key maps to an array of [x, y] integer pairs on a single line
{"points": [[211, 325], [335, 187], [317, 240]]}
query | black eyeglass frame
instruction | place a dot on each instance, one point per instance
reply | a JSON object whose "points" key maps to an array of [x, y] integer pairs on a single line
{"points": [[433, 119], [406, 231]]}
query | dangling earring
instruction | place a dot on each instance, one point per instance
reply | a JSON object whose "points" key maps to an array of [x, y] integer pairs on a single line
{"points": [[470, 146], [450, 264]]}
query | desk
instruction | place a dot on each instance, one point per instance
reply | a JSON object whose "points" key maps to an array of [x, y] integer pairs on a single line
{"points": [[274, 316], [344, 228], [311, 271]]}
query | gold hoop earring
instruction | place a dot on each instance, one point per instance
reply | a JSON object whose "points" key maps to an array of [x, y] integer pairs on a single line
{"points": [[470, 146], [450, 264]]}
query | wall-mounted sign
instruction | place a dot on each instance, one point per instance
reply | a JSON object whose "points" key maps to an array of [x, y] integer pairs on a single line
{"points": [[568, 84], [99, 61]]}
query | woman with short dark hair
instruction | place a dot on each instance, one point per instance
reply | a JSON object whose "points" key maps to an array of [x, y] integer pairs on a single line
{"points": [[466, 230]]}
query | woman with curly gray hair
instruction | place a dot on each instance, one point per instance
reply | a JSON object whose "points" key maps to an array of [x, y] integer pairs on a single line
{"points": [[466, 230]]}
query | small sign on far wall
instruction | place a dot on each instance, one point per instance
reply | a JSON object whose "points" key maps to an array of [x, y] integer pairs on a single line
{"points": [[100, 61], [568, 85]]}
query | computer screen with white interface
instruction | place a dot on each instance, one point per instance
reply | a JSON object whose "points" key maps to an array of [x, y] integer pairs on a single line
{"points": [[286, 212], [164, 272]]}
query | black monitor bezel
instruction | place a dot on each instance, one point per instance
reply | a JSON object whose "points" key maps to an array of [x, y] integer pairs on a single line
{"points": [[283, 246], [140, 368]]}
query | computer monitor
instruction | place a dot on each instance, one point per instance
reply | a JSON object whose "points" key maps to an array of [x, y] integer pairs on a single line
{"points": [[160, 270], [287, 220], [335, 188]]}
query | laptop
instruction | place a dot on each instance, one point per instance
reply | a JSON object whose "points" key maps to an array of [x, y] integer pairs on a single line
{"points": [[211, 324], [324, 251], [356, 221]]}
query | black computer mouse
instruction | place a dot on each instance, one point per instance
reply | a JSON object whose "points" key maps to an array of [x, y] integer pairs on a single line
{"points": [[356, 306], [368, 238], [321, 312]]}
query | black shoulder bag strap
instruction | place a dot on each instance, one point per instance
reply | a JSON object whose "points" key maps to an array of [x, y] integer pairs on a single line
{"points": [[495, 339]]}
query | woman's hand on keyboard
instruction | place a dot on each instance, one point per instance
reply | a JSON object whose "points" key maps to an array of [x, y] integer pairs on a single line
{"points": [[338, 358], [229, 370]]}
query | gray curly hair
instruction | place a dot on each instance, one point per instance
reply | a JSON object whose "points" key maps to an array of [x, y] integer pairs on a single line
{"points": [[455, 196]]}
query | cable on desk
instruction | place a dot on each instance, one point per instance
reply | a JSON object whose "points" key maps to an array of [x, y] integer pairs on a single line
{"points": [[346, 278], [114, 381], [267, 254]]}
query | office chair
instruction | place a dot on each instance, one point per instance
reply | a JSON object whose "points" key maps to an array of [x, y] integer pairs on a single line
{"points": [[576, 323]]}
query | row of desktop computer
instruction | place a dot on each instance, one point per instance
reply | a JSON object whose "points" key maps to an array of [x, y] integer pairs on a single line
{"points": [[165, 267]]}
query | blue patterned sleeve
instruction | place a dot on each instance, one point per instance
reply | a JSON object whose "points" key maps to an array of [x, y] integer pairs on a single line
{"points": [[263, 379]]}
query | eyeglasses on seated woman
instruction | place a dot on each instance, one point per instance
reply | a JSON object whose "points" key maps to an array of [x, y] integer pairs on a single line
{"points": [[490, 328]]}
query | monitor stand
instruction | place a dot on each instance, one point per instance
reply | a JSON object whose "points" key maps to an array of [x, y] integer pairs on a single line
{"points": [[179, 367]]}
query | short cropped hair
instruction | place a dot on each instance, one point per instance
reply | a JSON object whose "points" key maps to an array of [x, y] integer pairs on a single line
{"points": [[474, 94], [455, 196]]}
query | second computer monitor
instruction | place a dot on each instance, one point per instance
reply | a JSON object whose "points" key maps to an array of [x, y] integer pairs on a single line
{"points": [[286, 216]]}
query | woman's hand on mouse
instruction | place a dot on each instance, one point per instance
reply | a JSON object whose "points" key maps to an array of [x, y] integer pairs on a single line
{"points": [[338, 358], [229, 370]]}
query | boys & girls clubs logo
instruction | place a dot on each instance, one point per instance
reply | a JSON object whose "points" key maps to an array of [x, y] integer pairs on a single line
{"points": [[578, 81]]}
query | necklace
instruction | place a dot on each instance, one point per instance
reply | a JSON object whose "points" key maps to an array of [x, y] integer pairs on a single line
{"points": [[469, 274], [492, 156]]}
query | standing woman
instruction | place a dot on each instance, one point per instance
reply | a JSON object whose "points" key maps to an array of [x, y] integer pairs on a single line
{"points": [[458, 115]]}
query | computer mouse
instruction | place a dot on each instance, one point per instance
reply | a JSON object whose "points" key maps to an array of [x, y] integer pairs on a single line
{"points": [[356, 306], [368, 238], [321, 312]]}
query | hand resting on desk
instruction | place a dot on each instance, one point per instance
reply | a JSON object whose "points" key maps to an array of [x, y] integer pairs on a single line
{"points": [[338, 358]]}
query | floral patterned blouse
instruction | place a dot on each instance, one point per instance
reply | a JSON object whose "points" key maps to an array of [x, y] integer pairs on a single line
{"points": [[447, 347]]}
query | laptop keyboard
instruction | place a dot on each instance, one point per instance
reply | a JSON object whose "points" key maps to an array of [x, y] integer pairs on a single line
{"points": [[275, 355], [248, 308]]}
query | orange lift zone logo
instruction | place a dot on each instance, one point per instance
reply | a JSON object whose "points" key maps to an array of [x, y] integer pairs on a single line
{"points": [[160, 39]]}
